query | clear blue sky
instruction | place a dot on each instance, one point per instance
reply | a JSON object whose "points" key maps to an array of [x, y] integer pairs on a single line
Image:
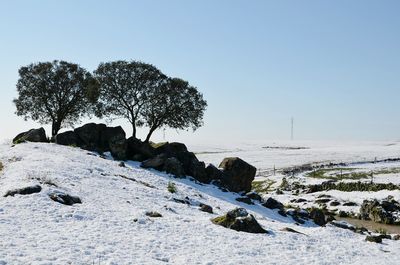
{"points": [[333, 65]]}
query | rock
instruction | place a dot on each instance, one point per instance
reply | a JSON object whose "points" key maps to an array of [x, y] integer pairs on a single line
{"points": [[156, 162], [372, 210], [213, 173], [350, 204], [300, 216], [344, 225], [254, 196], [69, 138], [299, 200], [33, 135], [113, 139], [396, 237], [322, 201], [153, 214], [375, 239], [240, 220], [271, 203], [171, 149], [90, 135], [64, 198], [238, 174], [138, 150], [246, 200], [173, 166], [206, 208], [318, 216], [343, 214], [288, 229], [121, 164], [334, 203], [24, 191], [192, 166]]}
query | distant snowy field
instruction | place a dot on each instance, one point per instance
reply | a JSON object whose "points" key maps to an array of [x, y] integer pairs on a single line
{"points": [[266, 155], [102, 230]]}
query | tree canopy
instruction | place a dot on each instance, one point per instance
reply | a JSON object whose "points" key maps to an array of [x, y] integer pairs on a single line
{"points": [[174, 104], [54, 92], [124, 89]]}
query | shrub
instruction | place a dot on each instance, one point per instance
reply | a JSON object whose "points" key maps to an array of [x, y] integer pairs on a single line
{"points": [[171, 187]]}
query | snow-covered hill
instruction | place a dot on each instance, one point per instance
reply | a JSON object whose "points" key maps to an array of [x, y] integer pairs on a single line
{"points": [[111, 227]]}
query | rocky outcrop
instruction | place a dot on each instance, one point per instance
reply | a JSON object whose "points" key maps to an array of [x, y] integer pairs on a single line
{"points": [[237, 174], [33, 135], [380, 212], [240, 220], [96, 137], [271, 203]]}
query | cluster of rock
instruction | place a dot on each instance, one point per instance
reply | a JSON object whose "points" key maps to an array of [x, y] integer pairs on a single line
{"points": [[240, 220], [233, 173], [387, 211]]}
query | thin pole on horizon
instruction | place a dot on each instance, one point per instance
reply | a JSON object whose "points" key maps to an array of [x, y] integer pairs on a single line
{"points": [[291, 131]]}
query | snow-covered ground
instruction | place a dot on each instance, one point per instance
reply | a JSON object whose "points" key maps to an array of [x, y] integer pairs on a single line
{"points": [[266, 155], [103, 230]]}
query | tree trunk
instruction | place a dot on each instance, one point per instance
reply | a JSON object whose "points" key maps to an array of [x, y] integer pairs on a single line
{"points": [[55, 127], [133, 130], [149, 134]]}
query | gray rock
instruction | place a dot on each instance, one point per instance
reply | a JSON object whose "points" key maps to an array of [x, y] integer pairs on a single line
{"points": [[271, 203], [206, 208], [64, 198], [69, 138], [318, 216], [33, 135], [138, 150], [153, 214], [238, 174], [24, 191], [240, 220], [173, 166], [156, 162], [375, 239]]}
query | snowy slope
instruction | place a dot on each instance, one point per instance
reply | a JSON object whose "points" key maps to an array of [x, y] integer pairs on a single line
{"points": [[102, 230]]}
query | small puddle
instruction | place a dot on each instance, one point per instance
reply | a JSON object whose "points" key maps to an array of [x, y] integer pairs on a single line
{"points": [[370, 225]]}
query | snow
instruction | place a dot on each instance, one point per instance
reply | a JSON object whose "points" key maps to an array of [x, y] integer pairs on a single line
{"points": [[110, 226]]}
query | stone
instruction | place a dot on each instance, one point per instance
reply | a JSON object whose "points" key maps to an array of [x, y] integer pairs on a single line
{"points": [[69, 138], [375, 239], [206, 208], [254, 196], [33, 135], [334, 203], [171, 149], [318, 216], [90, 135], [271, 203], [153, 214], [291, 230], [246, 200], [173, 166], [156, 162], [192, 166], [238, 174], [113, 139], [350, 204], [213, 173], [24, 191], [64, 198], [138, 150], [239, 220], [372, 210]]}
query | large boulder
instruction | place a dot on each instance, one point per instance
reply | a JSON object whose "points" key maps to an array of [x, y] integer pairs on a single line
{"points": [[33, 135], [213, 173], [69, 138], [113, 139], [138, 150], [90, 134], [240, 220], [156, 162], [170, 149], [238, 174], [24, 191], [173, 166]]}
